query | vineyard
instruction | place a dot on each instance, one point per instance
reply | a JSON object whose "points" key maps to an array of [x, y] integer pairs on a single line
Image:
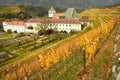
{"points": [[56, 62], [96, 13], [89, 41]]}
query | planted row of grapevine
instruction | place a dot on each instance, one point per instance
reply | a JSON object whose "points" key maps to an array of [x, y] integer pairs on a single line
{"points": [[50, 56], [90, 41]]}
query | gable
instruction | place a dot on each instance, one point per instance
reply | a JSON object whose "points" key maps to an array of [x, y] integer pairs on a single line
{"points": [[71, 13], [51, 9]]}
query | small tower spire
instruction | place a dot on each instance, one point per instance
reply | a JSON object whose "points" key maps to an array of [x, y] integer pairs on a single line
{"points": [[51, 12]]}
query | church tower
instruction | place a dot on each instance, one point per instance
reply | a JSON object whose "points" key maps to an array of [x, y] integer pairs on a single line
{"points": [[51, 12]]}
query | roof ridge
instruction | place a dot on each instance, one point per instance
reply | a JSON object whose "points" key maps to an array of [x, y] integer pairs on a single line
{"points": [[52, 9]]}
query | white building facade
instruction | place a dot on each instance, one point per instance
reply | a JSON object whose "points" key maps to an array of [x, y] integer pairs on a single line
{"points": [[67, 25], [18, 26], [21, 27], [67, 21], [34, 25]]}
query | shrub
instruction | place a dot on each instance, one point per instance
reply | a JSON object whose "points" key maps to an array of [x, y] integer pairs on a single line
{"points": [[65, 32], [49, 31], [72, 32], [84, 25], [88, 28], [41, 32], [9, 31], [15, 32]]}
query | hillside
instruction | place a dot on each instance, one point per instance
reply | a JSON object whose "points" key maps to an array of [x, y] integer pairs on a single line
{"points": [[63, 60], [12, 12], [96, 13], [20, 12], [9, 9], [55, 62], [65, 3]]}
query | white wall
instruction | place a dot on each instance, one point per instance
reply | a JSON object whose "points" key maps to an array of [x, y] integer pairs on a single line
{"points": [[35, 28], [51, 13], [17, 28], [58, 26], [67, 27]]}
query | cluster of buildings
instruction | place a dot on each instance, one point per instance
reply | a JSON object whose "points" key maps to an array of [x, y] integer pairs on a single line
{"points": [[67, 21]]}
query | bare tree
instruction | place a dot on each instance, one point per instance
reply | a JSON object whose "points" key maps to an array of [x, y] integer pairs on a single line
{"points": [[43, 25]]}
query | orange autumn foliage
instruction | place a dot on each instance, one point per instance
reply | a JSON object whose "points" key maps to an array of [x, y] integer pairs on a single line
{"points": [[90, 40]]}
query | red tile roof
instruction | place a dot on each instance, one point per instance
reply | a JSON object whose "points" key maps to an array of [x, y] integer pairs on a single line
{"points": [[62, 21], [20, 23], [34, 20], [58, 15], [65, 21]]}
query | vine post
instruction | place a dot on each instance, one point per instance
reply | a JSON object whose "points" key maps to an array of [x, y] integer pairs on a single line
{"points": [[84, 59]]}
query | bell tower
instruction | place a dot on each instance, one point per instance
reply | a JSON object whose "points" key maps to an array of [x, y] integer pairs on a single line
{"points": [[51, 12]]}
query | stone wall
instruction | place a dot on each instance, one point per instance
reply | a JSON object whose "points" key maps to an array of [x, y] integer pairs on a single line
{"points": [[116, 62]]}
